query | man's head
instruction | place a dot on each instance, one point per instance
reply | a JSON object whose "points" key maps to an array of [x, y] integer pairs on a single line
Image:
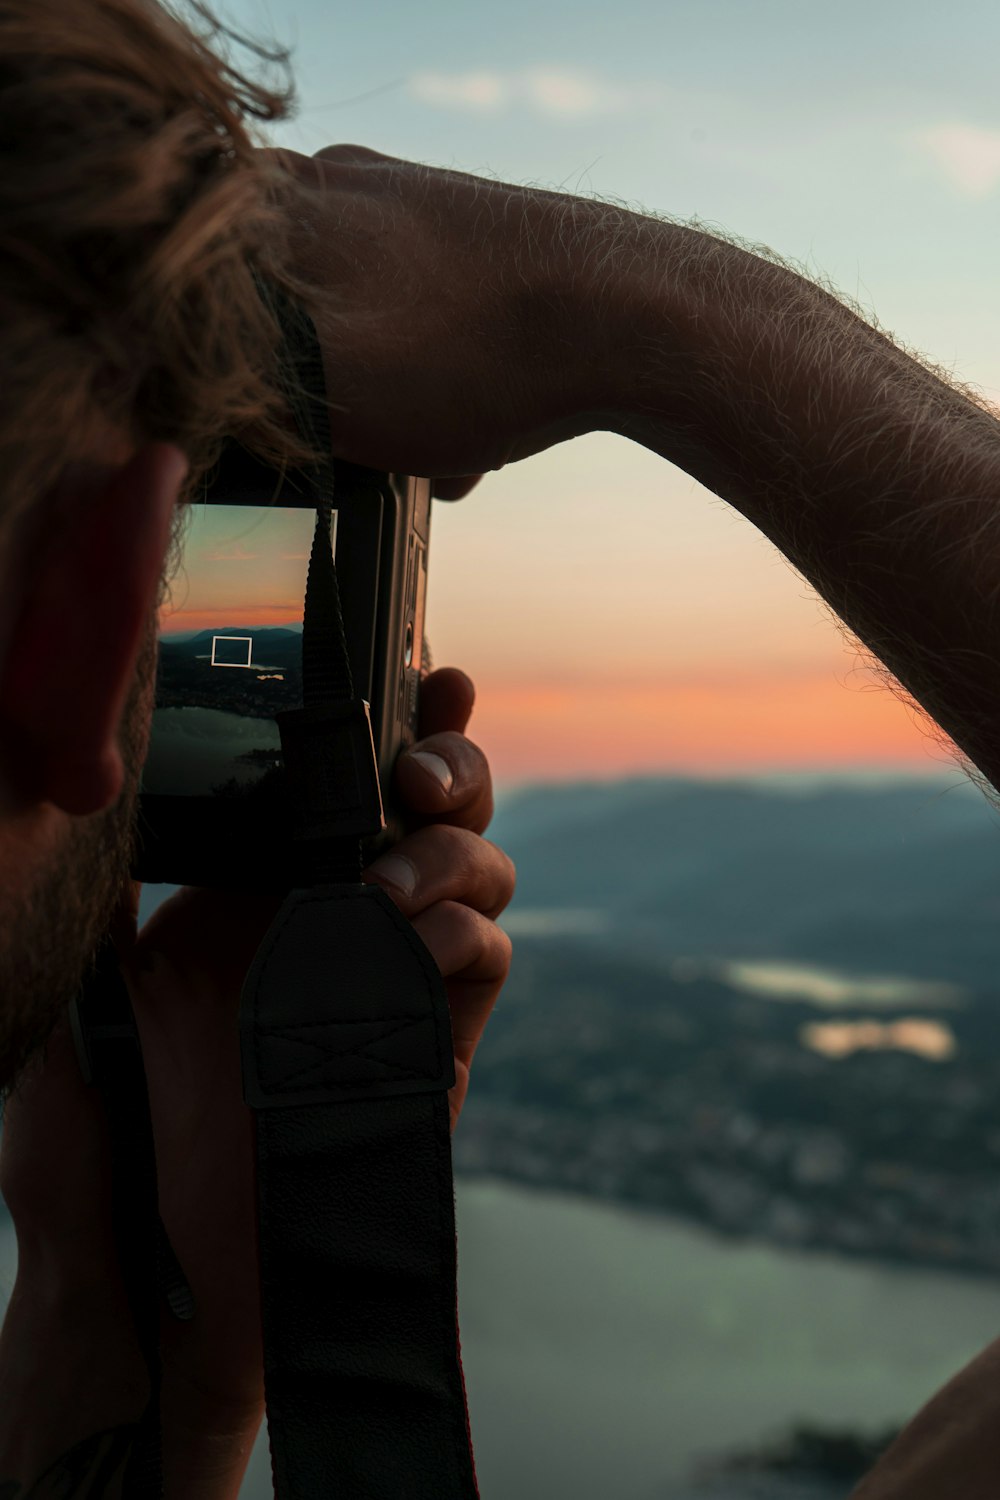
{"points": [[135, 213]]}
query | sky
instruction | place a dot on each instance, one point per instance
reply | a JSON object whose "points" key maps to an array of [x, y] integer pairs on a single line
{"points": [[242, 566], [615, 616]]}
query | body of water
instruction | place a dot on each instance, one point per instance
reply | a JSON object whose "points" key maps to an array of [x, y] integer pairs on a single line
{"points": [[193, 749], [607, 1352]]}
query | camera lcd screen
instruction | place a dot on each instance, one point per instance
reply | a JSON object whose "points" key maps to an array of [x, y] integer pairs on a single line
{"points": [[230, 651]]}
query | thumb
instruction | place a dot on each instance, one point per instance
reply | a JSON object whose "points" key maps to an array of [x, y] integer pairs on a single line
{"points": [[446, 700], [456, 487]]}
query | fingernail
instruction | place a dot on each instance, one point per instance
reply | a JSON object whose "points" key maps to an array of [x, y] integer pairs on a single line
{"points": [[396, 870], [435, 766]]}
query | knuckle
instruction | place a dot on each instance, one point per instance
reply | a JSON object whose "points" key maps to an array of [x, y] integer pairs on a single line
{"points": [[466, 924], [494, 949], [507, 868], [505, 950], [471, 869], [482, 868], [488, 933], [458, 849], [439, 844], [477, 766], [479, 933]]}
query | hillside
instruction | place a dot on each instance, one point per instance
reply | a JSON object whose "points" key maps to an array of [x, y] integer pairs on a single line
{"points": [[901, 878], [619, 1062]]}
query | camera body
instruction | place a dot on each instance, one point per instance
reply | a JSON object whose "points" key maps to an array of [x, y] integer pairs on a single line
{"points": [[214, 806]]}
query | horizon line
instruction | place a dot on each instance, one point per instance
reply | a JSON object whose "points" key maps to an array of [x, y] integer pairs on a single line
{"points": [[779, 779]]}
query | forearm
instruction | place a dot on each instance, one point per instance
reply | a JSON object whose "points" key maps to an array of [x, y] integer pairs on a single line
{"points": [[467, 324], [205, 1451], [950, 1447], [879, 481], [72, 1387], [70, 1391]]}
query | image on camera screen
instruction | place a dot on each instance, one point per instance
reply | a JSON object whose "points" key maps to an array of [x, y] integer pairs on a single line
{"points": [[230, 652]]}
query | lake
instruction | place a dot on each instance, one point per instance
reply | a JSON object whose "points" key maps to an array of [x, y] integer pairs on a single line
{"points": [[606, 1350], [194, 749]]}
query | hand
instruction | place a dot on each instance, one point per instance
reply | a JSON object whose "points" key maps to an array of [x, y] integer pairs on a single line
{"points": [[458, 326], [185, 971]]}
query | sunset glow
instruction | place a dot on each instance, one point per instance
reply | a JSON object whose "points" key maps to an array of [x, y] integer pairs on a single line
{"points": [[716, 727], [241, 566], [255, 615]]}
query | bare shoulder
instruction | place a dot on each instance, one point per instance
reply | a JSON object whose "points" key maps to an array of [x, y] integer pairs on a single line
{"points": [[952, 1446]]}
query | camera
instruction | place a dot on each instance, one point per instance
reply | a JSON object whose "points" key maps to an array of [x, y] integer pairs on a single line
{"points": [[214, 803]]}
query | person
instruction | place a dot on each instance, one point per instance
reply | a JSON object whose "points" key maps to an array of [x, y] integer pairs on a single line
{"points": [[133, 340], [466, 324]]}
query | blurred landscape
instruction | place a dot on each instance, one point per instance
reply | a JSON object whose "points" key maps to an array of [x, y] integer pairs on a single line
{"points": [[727, 1176], [772, 1010], [769, 1008]]}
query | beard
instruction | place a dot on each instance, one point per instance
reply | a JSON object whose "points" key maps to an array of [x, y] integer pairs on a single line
{"points": [[52, 928]]}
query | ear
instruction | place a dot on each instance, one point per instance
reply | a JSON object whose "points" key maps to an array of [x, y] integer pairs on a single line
{"points": [[71, 658]]}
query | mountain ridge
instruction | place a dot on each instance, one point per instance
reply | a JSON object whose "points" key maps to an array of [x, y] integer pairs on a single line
{"points": [[902, 879]]}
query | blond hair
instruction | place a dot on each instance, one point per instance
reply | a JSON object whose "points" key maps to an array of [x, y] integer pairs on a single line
{"points": [[135, 217]]}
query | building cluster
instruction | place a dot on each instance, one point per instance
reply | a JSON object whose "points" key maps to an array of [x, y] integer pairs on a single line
{"points": [[751, 1134]]}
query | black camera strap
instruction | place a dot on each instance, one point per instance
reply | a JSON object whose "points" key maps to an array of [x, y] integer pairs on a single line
{"points": [[347, 1061], [347, 1056]]}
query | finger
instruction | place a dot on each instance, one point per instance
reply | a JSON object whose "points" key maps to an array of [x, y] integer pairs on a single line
{"points": [[455, 488], [350, 155], [441, 863], [474, 956], [445, 779], [211, 937], [446, 700]]}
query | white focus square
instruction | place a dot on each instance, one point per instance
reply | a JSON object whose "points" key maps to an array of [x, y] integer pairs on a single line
{"points": [[227, 653]]}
